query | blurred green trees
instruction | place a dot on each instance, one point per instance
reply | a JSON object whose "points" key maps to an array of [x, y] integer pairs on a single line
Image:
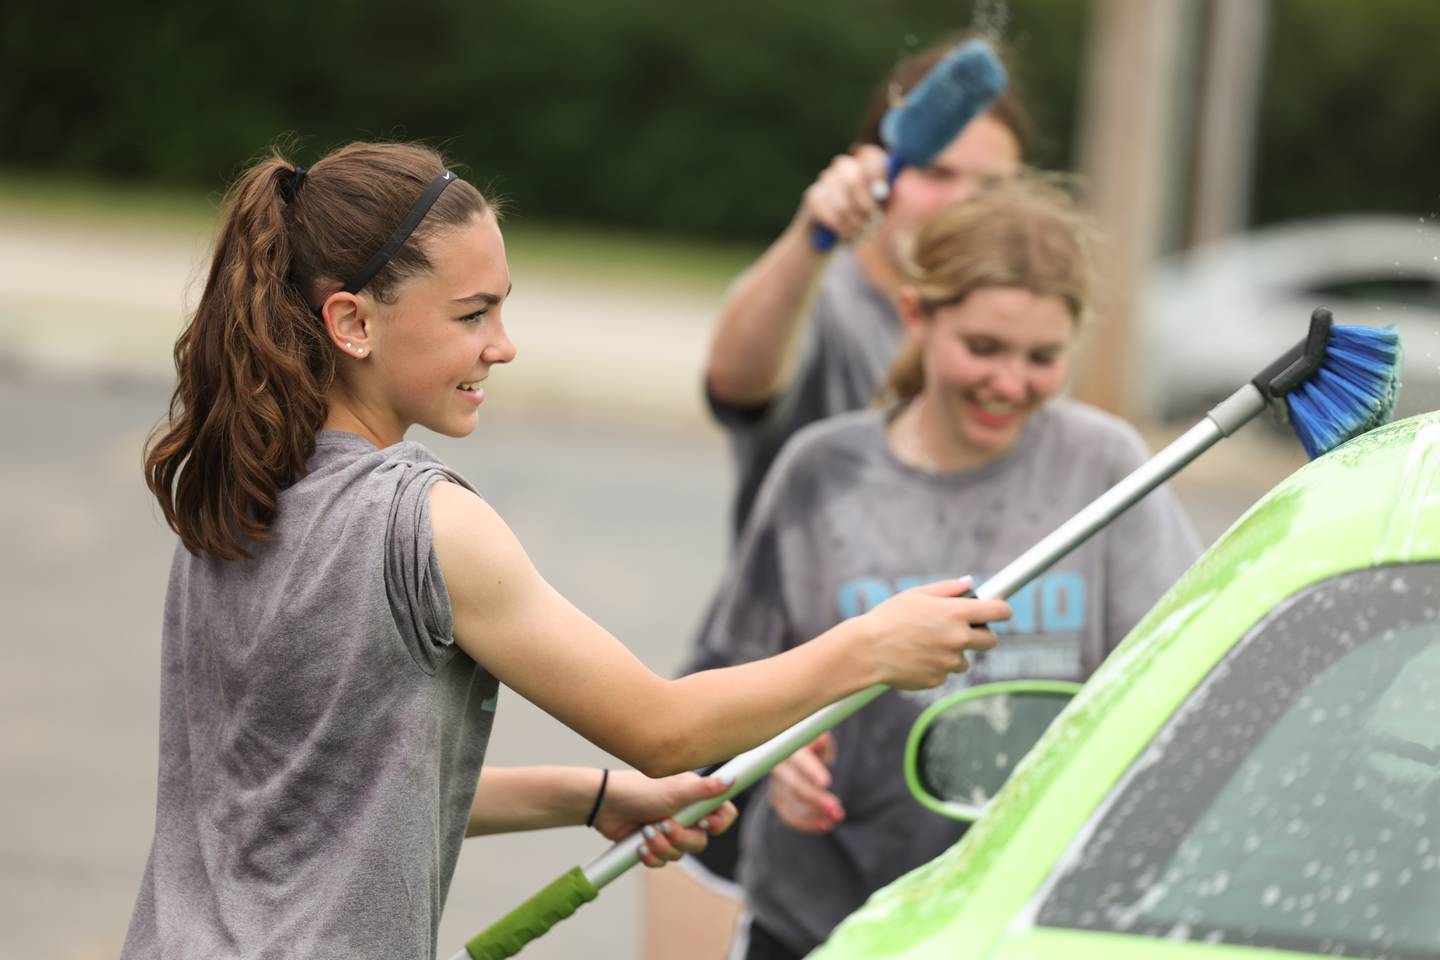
{"points": [[704, 118], [700, 118], [1350, 119]]}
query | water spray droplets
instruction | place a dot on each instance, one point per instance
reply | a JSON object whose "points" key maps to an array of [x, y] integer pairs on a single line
{"points": [[990, 19]]}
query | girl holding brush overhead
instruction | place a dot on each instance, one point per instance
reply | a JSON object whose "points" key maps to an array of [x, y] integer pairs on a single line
{"points": [[342, 607], [803, 334], [971, 460]]}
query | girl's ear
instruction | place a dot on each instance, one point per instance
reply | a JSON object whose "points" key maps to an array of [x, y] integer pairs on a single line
{"points": [[347, 322], [913, 314]]}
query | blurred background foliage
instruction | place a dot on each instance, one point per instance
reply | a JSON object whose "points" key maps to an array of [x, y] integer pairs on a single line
{"points": [[1350, 109], [697, 118], [704, 119]]}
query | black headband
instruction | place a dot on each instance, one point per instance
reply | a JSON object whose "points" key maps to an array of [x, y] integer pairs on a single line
{"points": [[402, 233]]}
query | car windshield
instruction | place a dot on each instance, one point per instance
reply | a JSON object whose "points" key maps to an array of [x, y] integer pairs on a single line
{"points": [[1294, 799]]}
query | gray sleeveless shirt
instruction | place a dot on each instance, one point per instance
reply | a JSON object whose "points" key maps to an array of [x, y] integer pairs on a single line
{"points": [[320, 733]]}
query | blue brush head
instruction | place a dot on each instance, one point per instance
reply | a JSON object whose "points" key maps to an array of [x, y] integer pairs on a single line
{"points": [[955, 90], [1353, 390]]}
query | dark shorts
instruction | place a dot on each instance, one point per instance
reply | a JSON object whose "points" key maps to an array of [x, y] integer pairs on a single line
{"points": [[764, 945]]}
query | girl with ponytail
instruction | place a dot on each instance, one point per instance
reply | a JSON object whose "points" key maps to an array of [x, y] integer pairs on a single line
{"points": [[970, 459], [342, 607]]}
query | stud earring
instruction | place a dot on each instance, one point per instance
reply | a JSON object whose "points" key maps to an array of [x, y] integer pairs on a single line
{"points": [[360, 352], [349, 345]]}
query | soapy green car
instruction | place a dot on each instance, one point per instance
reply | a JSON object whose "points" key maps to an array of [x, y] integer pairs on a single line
{"points": [[1254, 773]]}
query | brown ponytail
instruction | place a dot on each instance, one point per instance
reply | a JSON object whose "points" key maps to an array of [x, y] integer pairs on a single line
{"points": [[254, 364], [1024, 231]]}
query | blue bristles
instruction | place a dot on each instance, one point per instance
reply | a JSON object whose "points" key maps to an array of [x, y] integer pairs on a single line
{"points": [[954, 91], [1353, 390]]}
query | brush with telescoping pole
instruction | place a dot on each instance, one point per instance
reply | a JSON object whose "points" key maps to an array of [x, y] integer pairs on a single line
{"points": [[954, 92], [1337, 383]]}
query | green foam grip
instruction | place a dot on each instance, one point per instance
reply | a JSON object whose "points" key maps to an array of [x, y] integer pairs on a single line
{"points": [[508, 935]]}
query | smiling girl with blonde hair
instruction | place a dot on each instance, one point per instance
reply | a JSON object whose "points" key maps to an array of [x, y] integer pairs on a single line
{"points": [[970, 459]]}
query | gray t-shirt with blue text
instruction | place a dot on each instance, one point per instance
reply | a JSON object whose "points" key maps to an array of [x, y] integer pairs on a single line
{"points": [[840, 525], [320, 733]]}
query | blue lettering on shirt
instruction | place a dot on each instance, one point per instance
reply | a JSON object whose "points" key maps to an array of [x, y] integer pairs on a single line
{"points": [[1062, 602], [1055, 603]]}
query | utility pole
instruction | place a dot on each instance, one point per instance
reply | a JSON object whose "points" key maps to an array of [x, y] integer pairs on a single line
{"points": [[1128, 158], [1229, 105]]}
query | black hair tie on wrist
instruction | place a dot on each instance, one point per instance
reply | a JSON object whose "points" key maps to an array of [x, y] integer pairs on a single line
{"points": [[599, 796], [291, 185]]}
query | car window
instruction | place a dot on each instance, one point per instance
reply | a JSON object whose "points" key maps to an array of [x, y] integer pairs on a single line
{"points": [[1416, 291], [1294, 799]]}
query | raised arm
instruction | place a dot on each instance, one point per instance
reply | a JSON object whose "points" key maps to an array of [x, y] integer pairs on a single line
{"points": [[762, 313], [510, 620]]}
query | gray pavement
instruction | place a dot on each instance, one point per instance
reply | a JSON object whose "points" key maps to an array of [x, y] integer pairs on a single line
{"points": [[593, 447]]}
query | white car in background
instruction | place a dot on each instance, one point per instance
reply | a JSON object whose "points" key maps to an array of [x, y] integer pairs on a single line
{"points": [[1213, 316]]}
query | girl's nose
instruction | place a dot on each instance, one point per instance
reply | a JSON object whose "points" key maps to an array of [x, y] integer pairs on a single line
{"points": [[500, 350], [1008, 380]]}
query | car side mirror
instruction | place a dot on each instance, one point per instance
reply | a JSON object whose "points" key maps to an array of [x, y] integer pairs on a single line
{"points": [[964, 747]]}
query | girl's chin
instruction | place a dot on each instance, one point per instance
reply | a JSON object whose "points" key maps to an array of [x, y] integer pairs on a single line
{"points": [[457, 427], [991, 433]]}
